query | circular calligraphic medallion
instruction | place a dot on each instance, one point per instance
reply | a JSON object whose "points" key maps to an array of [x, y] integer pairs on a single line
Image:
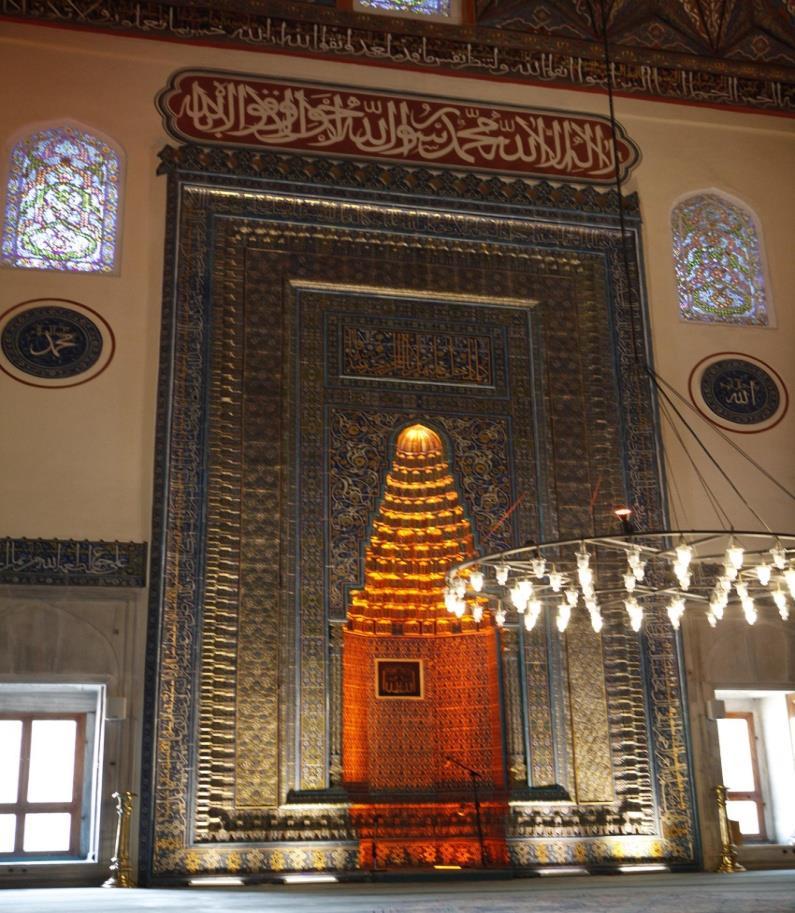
{"points": [[52, 342], [738, 392]]}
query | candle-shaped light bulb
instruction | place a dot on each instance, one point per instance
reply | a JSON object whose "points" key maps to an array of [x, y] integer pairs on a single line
{"points": [[518, 598], [716, 608], [477, 613], [539, 567], [789, 577], [635, 612], [629, 582], [780, 599], [555, 580], [499, 617], [564, 614], [735, 554], [501, 573], [763, 573], [779, 555], [572, 596], [676, 609], [526, 586], [684, 554], [476, 580]]}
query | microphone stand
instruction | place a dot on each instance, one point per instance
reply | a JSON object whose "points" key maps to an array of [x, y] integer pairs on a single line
{"points": [[474, 776]]}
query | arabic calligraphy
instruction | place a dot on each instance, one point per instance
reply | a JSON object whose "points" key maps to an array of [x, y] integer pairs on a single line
{"points": [[244, 110], [66, 561], [399, 678], [740, 391], [708, 84], [52, 342], [392, 354]]}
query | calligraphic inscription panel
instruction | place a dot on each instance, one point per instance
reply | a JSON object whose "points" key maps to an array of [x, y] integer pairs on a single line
{"points": [[53, 342], [232, 109], [398, 678], [401, 354], [738, 392], [67, 562], [274, 461]]}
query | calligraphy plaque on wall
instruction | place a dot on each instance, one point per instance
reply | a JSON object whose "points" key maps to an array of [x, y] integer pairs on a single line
{"points": [[738, 392], [232, 109], [398, 678], [53, 342]]}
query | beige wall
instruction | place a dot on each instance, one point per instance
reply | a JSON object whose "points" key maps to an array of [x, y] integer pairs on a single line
{"points": [[78, 462], [109, 84]]}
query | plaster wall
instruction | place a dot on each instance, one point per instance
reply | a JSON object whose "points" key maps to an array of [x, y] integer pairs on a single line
{"points": [[78, 462]]}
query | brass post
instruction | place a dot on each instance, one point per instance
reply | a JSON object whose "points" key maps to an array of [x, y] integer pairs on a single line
{"points": [[728, 851], [120, 870]]}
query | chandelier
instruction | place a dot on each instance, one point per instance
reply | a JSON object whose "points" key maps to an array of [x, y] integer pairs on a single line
{"points": [[669, 570]]}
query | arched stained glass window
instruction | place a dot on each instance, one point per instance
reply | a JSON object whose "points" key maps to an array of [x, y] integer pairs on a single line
{"points": [[718, 262], [449, 10], [433, 7], [63, 202]]}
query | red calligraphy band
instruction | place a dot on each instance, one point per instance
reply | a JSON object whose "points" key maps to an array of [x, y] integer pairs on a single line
{"points": [[216, 107]]}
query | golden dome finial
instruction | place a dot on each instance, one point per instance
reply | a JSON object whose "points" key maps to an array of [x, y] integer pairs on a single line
{"points": [[419, 439]]}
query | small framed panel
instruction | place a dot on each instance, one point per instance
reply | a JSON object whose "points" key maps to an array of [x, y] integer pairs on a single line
{"points": [[738, 392], [54, 342], [399, 679]]}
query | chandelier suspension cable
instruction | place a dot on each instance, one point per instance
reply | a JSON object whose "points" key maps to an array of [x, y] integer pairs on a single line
{"points": [[712, 460], [660, 382], [622, 224], [656, 381], [721, 514], [668, 569]]}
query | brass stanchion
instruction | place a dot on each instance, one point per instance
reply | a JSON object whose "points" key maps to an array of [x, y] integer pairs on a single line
{"points": [[728, 851], [120, 869]]}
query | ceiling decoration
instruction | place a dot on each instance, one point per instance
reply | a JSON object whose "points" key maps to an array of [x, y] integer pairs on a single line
{"points": [[742, 30], [725, 53]]}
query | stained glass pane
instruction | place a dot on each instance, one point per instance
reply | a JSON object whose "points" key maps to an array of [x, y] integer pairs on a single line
{"points": [[423, 7], [63, 198], [718, 262]]}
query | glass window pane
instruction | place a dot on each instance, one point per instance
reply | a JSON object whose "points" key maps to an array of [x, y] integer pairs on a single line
{"points": [[746, 813], [52, 761], [735, 755], [47, 832], [10, 739], [8, 826]]}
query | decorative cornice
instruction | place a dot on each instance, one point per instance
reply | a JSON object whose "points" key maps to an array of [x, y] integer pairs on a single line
{"points": [[69, 562], [231, 166], [312, 30]]}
